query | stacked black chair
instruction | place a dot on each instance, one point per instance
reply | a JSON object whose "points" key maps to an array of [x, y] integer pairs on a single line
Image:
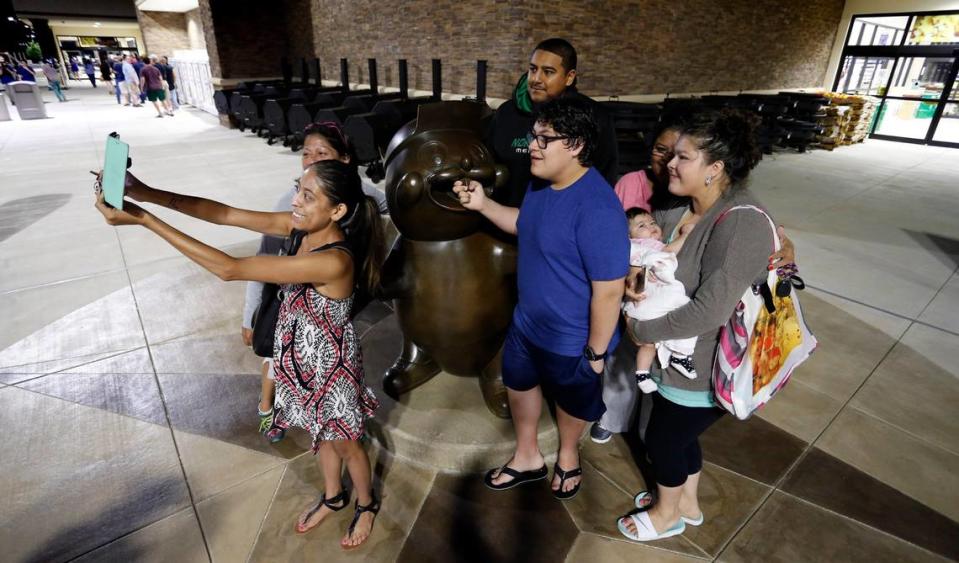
{"points": [[635, 125], [803, 119], [275, 121], [372, 130], [772, 110], [228, 100], [356, 102], [302, 114], [251, 111]]}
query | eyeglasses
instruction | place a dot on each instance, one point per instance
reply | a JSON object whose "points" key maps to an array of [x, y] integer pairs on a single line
{"points": [[661, 150], [542, 141], [325, 127]]}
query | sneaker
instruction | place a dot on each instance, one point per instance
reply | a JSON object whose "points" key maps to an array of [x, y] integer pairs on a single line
{"points": [[274, 434], [645, 382], [684, 365], [599, 434], [266, 420]]}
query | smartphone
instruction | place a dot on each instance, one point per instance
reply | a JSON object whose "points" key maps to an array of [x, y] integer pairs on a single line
{"points": [[115, 162]]}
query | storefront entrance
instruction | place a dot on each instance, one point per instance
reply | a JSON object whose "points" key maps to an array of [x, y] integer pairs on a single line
{"points": [[910, 62]]}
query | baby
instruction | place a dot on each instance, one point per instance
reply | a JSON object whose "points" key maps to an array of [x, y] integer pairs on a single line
{"points": [[656, 262]]}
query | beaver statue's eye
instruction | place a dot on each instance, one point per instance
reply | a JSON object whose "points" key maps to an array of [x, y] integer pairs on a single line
{"points": [[432, 154], [478, 154]]}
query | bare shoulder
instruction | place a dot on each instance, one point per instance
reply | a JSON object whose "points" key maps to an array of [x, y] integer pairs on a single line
{"points": [[336, 260]]}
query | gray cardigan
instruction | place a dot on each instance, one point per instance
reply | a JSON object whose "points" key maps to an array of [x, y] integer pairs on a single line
{"points": [[717, 264]]}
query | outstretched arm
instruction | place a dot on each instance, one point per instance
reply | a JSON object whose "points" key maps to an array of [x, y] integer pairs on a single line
{"points": [[319, 268], [268, 223]]}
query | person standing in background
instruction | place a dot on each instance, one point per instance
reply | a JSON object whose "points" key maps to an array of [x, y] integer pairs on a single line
{"points": [[172, 100], [131, 83], [138, 65], [166, 85], [8, 71], [106, 73], [118, 77], [53, 79], [25, 73], [90, 71], [151, 82], [551, 75]]}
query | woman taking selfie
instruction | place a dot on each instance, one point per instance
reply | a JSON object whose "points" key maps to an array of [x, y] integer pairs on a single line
{"points": [[317, 361]]}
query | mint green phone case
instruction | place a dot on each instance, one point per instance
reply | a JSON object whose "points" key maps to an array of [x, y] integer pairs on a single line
{"points": [[114, 171]]}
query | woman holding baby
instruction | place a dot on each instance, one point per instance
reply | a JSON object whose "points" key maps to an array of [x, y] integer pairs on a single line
{"points": [[721, 254]]}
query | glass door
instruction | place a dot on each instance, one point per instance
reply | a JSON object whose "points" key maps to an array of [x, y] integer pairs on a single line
{"points": [[909, 61], [945, 129], [865, 76], [913, 97]]}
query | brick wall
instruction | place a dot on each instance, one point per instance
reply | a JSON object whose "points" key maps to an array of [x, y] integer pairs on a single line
{"points": [[244, 38], [299, 35], [457, 31], [194, 29], [654, 46], [205, 12], [163, 32], [625, 46]]}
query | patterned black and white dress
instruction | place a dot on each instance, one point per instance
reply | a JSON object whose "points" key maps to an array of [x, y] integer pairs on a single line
{"points": [[319, 366]]}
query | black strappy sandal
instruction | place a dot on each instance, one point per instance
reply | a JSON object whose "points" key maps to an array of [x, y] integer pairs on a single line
{"points": [[518, 477], [337, 503], [359, 509], [563, 476]]}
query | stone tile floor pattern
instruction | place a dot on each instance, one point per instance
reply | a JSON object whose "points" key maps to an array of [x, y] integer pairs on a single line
{"points": [[126, 396]]}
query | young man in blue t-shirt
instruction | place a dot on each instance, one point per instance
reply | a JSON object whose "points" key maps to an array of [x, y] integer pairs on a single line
{"points": [[573, 258]]}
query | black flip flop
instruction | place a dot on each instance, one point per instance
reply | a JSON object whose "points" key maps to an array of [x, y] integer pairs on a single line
{"points": [[563, 476], [518, 477]]}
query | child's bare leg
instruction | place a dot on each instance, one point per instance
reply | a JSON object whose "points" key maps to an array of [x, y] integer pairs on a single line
{"points": [[645, 354], [266, 388]]}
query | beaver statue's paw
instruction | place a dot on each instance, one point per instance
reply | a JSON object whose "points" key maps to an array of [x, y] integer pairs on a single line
{"points": [[404, 375], [494, 393]]}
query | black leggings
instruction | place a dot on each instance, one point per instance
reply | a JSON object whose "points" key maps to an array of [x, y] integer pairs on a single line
{"points": [[672, 439]]}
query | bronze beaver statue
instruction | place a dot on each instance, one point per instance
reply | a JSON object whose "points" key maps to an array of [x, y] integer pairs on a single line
{"points": [[451, 275]]}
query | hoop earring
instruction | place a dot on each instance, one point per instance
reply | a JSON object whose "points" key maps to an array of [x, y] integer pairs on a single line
{"points": [[709, 180]]}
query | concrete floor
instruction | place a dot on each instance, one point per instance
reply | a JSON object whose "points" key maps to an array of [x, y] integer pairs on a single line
{"points": [[126, 397]]}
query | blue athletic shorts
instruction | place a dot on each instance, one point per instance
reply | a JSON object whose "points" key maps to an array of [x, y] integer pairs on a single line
{"points": [[568, 380]]}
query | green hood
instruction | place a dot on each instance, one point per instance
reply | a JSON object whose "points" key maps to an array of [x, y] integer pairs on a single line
{"points": [[521, 96]]}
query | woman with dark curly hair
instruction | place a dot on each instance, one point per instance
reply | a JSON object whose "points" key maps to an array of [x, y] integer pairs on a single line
{"points": [[723, 255]]}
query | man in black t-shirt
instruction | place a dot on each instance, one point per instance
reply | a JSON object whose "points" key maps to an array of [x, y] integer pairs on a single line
{"points": [[551, 75], [172, 101]]}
